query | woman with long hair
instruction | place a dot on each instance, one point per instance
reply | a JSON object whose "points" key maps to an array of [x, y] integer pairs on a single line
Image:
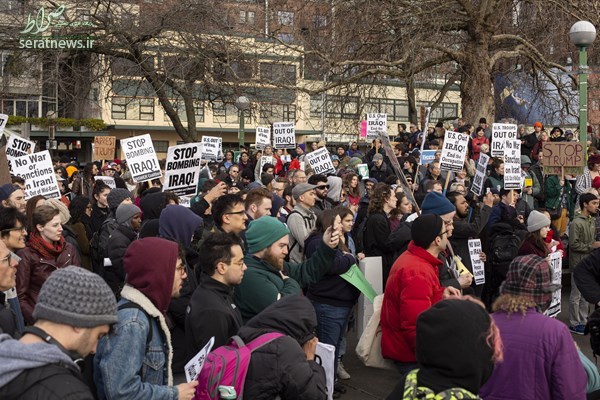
{"points": [[46, 252], [32, 204], [350, 181], [81, 211], [538, 226], [83, 185], [403, 209]]}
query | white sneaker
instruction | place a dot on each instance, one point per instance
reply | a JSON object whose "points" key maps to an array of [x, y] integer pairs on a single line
{"points": [[342, 373]]}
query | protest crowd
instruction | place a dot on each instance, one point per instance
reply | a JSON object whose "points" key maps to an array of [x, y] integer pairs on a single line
{"points": [[120, 290]]}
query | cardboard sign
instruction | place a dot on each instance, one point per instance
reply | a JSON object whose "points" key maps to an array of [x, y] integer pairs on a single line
{"points": [[104, 147], [320, 162], [38, 172], [555, 261], [194, 366], [108, 181], [182, 169], [501, 133], [325, 357], [480, 174], [376, 124], [284, 135], [363, 171], [563, 158], [212, 146], [512, 165], [454, 151], [17, 147], [266, 160], [3, 122], [263, 137], [476, 263], [141, 158]]}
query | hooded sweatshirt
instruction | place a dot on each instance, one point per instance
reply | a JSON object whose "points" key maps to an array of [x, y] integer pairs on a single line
{"points": [[179, 224], [582, 234]]}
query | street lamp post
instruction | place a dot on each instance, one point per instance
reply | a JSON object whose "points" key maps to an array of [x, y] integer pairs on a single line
{"points": [[582, 35], [242, 103]]}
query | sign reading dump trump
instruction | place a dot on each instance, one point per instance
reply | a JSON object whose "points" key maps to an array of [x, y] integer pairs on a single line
{"points": [[141, 158], [320, 161], [454, 151], [182, 170], [501, 133], [38, 172]]}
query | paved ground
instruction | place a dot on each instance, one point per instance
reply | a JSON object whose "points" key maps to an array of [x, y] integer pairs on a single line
{"points": [[370, 383]]}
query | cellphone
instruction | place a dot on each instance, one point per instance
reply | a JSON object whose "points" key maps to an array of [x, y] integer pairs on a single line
{"points": [[487, 191]]}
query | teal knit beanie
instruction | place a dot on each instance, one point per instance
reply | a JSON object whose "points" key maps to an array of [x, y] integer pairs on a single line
{"points": [[263, 232]]}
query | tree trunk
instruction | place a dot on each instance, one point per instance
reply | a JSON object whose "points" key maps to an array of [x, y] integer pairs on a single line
{"points": [[476, 88], [413, 114]]}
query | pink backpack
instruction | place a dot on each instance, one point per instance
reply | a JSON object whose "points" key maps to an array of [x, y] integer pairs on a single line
{"points": [[228, 366]]}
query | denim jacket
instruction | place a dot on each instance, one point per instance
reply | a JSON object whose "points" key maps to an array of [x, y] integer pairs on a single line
{"points": [[126, 366]]}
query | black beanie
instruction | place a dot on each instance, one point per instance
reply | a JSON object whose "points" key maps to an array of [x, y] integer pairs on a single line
{"points": [[425, 229]]}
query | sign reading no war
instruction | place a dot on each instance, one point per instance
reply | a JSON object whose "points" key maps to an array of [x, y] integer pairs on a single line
{"points": [[141, 158]]}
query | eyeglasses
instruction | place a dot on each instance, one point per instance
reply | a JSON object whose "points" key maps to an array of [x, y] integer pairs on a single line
{"points": [[443, 233], [235, 212], [322, 187], [447, 223], [180, 269], [234, 171], [16, 228]]}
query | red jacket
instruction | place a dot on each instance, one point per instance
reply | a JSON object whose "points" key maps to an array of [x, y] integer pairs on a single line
{"points": [[476, 146], [412, 287]]}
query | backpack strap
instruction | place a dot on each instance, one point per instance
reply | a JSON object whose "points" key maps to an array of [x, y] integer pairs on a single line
{"points": [[258, 342], [131, 304]]}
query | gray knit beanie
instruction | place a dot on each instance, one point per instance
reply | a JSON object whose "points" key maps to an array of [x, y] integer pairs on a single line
{"points": [[125, 212], [116, 196], [76, 297], [537, 221]]}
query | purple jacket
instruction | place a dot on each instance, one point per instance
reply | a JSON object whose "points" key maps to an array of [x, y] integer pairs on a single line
{"points": [[540, 361]]}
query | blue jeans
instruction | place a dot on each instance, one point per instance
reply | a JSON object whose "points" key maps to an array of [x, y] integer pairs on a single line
{"points": [[331, 325]]}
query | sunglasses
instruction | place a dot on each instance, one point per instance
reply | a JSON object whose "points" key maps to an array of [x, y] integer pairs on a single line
{"points": [[322, 187]]}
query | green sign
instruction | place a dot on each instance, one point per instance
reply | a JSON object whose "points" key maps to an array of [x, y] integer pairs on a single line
{"points": [[355, 277]]}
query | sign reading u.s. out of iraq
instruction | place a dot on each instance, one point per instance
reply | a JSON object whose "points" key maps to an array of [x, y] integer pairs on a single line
{"points": [[454, 151], [563, 158], [182, 170], [38, 172], [284, 135], [376, 124], [141, 158]]}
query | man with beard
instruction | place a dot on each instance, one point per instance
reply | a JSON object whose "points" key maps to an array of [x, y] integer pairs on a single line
{"points": [[465, 230], [269, 277], [322, 201]]}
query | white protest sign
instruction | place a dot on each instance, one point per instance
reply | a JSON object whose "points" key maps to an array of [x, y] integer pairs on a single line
{"points": [[182, 169], [266, 160], [476, 263], [108, 181], [555, 261], [376, 123], [512, 165], [38, 172], [263, 137], [320, 161], [454, 151], [141, 158], [363, 171], [211, 147], [501, 133], [480, 174], [284, 135], [3, 122], [17, 147], [325, 357], [194, 366], [185, 201]]}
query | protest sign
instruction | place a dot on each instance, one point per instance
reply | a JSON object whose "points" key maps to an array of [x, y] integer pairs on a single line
{"points": [[141, 158], [376, 124], [182, 169], [3, 122], [501, 133], [325, 357], [427, 156], [363, 129], [284, 135], [480, 174], [266, 160], [454, 151], [563, 158], [17, 147], [363, 171], [104, 147], [194, 366], [478, 265], [356, 278], [38, 172], [320, 161], [555, 260], [512, 165], [263, 137], [108, 181], [212, 147]]}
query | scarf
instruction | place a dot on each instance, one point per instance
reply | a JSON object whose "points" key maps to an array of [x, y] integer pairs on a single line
{"points": [[46, 250]]}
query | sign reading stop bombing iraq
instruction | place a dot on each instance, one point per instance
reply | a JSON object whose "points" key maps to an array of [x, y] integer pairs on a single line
{"points": [[284, 135], [141, 158], [17, 147], [182, 169], [38, 172]]}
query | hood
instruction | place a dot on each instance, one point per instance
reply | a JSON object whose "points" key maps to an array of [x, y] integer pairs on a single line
{"points": [[335, 188], [452, 349], [293, 316], [26, 356], [178, 223], [151, 204], [278, 202], [150, 267], [579, 216]]}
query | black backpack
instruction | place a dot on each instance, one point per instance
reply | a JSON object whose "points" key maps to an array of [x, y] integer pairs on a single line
{"points": [[99, 244], [593, 328], [359, 238]]}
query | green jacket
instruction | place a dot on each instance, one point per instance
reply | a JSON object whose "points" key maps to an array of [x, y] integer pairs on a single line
{"points": [[582, 234], [554, 192], [262, 284]]}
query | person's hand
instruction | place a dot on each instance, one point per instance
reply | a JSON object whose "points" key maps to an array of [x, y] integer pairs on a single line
{"points": [[219, 190], [521, 219], [331, 238], [186, 391], [284, 277], [488, 199], [360, 256], [482, 257], [465, 280], [562, 182], [310, 347], [595, 245], [450, 292]]}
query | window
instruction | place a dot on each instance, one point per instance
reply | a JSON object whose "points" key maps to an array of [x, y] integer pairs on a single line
{"points": [[319, 21], [270, 113], [250, 17], [227, 113], [285, 37], [82, 14], [132, 108], [11, 6], [397, 110], [124, 67], [278, 73], [242, 17], [179, 106], [316, 106], [161, 146], [285, 18], [443, 111]]}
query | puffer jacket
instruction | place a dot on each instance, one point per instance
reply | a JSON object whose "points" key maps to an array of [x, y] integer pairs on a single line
{"points": [[280, 368], [32, 272]]}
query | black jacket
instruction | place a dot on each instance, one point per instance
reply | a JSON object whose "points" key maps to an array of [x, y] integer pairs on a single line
{"points": [[211, 312], [587, 277], [98, 217], [376, 241], [8, 323], [118, 242], [463, 231], [280, 368]]}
